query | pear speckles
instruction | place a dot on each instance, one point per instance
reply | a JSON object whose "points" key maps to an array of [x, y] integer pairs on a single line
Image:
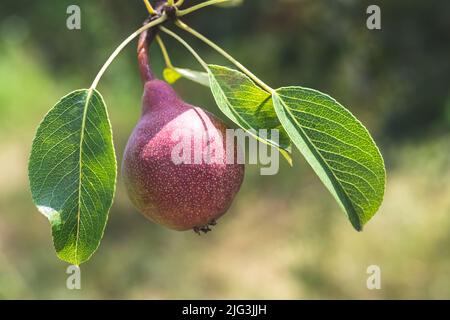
{"points": [[180, 196]]}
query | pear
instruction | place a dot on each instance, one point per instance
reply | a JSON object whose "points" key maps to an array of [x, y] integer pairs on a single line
{"points": [[175, 164]]}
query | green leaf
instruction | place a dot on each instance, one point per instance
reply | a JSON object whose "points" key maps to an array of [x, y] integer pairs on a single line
{"points": [[247, 105], [72, 172], [172, 75], [338, 147]]}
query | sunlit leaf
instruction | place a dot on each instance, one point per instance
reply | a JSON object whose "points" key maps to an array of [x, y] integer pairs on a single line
{"points": [[72, 172], [338, 147]]}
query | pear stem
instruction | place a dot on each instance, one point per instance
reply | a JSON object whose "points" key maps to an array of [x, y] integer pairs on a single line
{"points": [[145, 68]]}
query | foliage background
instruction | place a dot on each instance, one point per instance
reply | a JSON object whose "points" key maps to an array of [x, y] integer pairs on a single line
{"points": [[284, 237]]}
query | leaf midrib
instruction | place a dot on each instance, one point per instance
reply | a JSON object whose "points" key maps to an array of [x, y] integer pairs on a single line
{"points": [[324, 161], [83, 127]]}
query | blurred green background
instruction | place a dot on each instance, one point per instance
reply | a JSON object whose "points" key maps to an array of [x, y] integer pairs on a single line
{"points": [[284, 237]]}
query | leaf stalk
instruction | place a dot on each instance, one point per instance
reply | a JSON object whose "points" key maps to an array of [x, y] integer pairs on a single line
{"points": [[199, 6], [198, 35], [130, 38], [186, 45]]}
